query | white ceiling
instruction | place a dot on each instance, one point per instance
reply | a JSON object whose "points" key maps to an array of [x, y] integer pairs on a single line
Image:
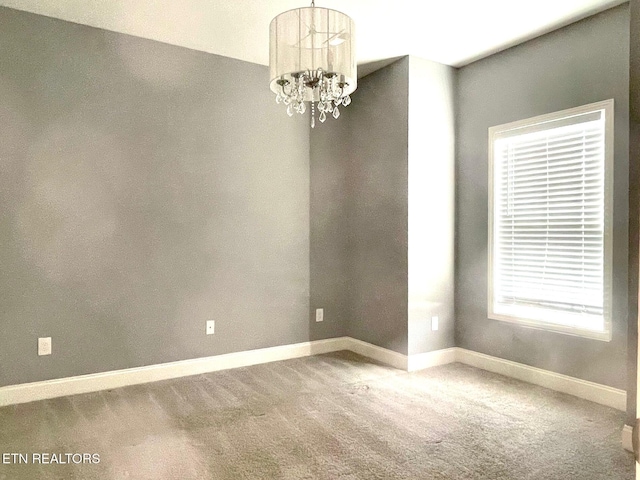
{"points": [[450, 32]]}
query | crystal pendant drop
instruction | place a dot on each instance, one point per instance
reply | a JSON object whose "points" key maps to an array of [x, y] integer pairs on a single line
{"points": [[287, 100], [290, 109], [278, 98], [322, 117], [313, 121], [336, 112], [346, 100], [302, 108]]}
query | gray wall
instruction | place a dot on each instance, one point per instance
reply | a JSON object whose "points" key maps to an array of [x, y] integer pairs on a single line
{"points": [[634, 207], [377, 209], [582, 63], [144, 189], [381, 254], [329, 226], [431, 185]]}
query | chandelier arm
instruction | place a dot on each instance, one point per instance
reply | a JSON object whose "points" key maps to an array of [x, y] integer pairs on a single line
{"points": [[302, 38], [284, 93]]}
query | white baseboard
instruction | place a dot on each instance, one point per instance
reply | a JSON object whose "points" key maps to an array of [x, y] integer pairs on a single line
{"points": [[627, 434], [29, 392], [383, 355], [602, 394], [421, 361]]}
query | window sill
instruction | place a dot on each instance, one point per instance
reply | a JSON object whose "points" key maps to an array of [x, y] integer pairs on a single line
{"points": [[604, 336]]}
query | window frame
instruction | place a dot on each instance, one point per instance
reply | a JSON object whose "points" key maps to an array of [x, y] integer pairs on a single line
{"points": [[498, 131]]}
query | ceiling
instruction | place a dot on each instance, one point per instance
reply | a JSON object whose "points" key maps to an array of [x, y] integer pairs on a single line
{"points": [[450, 32]]}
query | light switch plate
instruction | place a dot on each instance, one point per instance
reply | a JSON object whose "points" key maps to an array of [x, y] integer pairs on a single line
{"points": [[434, 323], [319, 314]]}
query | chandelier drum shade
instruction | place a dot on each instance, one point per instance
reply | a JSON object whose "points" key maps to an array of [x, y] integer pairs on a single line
{"points": [[312, 59]]}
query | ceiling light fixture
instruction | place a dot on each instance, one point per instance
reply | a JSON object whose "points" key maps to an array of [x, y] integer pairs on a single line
{"points": [[312, 59]]}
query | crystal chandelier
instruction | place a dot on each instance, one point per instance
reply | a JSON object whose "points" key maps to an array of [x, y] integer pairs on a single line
{"points": [[312, 59]]}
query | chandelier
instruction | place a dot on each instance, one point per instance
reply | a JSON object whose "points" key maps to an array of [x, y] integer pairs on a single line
{"points": [[312, 59]]}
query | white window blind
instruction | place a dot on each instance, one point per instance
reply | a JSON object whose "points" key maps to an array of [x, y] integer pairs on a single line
{"points": [[549, 232]]}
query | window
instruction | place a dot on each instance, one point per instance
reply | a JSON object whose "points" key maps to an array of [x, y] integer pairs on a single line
{"points": [[550, 221]]}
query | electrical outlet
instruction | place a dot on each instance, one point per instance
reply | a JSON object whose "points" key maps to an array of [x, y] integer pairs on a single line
{"points": [[434, 323], [319, 314], [44, 346], [211, 327]]}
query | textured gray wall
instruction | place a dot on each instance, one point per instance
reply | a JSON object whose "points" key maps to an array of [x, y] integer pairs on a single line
{"points": [[329, 226], [634, 206], [582, 63], [381, 251], [431, 196], [377, 209], [144, 189]]}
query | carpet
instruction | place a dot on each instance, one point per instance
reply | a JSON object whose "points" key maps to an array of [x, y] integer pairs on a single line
{"points": [[333, 416]]}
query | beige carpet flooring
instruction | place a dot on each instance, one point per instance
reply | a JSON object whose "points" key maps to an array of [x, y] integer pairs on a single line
{"points": [[334, 416]]}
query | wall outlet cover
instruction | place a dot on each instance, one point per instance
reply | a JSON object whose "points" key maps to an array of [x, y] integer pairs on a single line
{"points": [[44, 346], [211, 327]]}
